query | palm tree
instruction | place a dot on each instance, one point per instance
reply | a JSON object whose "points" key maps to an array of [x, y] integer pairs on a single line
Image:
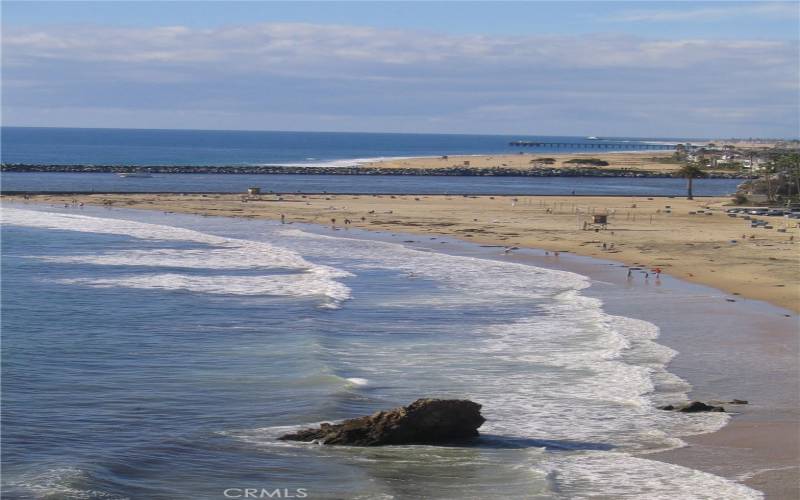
{"points": [[691, 171], [768, 169]]}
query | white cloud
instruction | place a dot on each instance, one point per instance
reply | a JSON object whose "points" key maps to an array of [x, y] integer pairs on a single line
{"points": [[327, 76], [271, 47], [683, 11]]}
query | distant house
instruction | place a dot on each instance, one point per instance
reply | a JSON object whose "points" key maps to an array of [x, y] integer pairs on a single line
{"points": [[756, 165]]}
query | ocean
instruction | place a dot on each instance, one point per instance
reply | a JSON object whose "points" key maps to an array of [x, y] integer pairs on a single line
{"points": [[74, 146], [54, 146], [159, 356], [361, 184]]}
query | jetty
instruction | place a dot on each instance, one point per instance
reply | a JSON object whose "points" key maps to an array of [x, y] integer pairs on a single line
{"points": [[455, 171], [594, 144]]}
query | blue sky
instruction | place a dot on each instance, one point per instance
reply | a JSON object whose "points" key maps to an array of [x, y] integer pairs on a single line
{"points": [[595, 68], [652, 19]]}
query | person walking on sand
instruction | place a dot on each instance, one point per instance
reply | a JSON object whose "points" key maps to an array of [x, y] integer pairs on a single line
{"points": [[283, 219], [630, 274]]}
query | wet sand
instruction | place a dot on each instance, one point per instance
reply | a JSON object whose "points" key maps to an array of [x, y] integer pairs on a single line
{"points": [[750, 351]]}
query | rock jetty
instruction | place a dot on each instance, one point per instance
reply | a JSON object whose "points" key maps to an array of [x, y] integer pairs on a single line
{"points": [[353, 170], [425, 421]]}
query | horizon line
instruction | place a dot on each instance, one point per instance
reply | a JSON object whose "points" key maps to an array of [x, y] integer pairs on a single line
{"points": [[389, 133]]}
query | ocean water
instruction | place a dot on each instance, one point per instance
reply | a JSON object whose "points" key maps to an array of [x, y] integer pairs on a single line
{"points": [[61, 146], [220, 183], [203, 147], [159, 356]]}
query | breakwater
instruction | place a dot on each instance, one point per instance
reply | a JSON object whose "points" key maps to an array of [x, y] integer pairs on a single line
{"points": [[356, 170]]}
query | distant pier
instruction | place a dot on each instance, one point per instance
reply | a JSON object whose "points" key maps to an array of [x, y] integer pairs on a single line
{"points": [[591, 145]]}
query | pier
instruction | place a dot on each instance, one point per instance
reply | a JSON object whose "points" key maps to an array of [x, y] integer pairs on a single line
{"points": [[591, 145]]}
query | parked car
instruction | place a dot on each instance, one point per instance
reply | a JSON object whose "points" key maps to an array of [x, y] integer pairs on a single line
{"points": [[758, 211]]}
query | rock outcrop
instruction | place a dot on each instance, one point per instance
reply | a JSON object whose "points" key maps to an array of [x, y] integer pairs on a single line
{"points": [[425, 421], [692, 407]]}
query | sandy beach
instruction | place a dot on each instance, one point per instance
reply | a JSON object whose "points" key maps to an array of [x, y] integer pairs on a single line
{"points": [[692, 240], [647, 161], [635, 161]]}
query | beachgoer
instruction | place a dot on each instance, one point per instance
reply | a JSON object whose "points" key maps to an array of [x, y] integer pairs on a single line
{"points": [[630, 273], [605, 246], [283, 219], [658, 272]]}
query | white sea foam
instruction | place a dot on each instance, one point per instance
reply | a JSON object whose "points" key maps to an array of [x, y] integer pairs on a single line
{"points": [[619, 475], [55, 483], [345, 162], [276, 270], [568, 376], [570, 370]]}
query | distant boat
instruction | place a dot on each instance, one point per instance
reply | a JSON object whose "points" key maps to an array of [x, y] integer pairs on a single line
{"points": [[141, 175], [593, 138]]}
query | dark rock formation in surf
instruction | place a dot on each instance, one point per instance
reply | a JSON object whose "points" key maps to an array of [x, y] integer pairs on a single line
{"points": [[692, 407], [425, 421]]}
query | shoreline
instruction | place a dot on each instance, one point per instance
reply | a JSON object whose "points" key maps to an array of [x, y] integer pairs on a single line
{"points": [[755, 447], [759, 445], [692, 240]]}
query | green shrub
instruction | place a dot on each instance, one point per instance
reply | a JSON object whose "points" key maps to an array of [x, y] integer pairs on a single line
{"points": [[588, 161]]}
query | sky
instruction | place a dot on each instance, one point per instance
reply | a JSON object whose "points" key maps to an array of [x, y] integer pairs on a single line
{"points": [[641, 69]]}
